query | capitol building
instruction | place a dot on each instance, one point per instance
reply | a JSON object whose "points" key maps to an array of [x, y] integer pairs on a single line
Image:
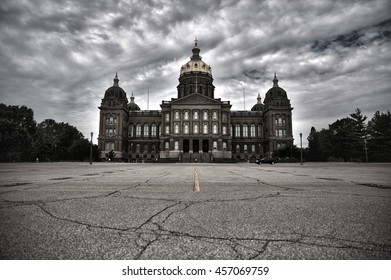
{"points": [[195, 126]]}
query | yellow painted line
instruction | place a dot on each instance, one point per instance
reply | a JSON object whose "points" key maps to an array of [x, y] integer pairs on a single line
{"points": [[196, 181]]}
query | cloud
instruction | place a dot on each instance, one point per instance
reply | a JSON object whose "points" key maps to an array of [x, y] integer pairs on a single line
{"points": [[59, 57]]}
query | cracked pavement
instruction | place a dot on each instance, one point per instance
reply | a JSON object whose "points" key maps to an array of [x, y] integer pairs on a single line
{"points": [[150, 211]]}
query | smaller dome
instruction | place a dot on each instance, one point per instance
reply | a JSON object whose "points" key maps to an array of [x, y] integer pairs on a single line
{"points": [[275, 92], [116, 91], [259, 106], [133, 106]]}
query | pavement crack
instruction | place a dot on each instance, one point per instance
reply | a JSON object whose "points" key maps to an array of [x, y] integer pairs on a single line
{"points": [[87, 225]]}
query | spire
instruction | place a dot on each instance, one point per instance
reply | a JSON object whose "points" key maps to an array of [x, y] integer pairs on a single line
{"points": [[259, 99], [196, 51], [275, 80], [132, 98], [116, 80]]}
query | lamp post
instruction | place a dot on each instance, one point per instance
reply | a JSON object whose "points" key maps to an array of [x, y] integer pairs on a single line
{"points": [[301, 149], [91, 148]]}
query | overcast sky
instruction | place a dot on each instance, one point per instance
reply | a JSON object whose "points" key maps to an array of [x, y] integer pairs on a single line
{"points": [[59, 57]]}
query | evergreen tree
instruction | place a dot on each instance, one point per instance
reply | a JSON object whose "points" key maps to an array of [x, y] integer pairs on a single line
{"points": [[379, 143]]}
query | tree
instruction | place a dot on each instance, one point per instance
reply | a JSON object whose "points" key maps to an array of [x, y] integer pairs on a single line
{"points": [[379, 143], [56, 141], [17, 126]]}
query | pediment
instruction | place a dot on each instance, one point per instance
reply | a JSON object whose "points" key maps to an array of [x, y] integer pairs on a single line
{"points": [[196, 99]]}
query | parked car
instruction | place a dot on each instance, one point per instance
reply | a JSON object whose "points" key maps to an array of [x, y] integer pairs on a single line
{"points": [[266, 160]]}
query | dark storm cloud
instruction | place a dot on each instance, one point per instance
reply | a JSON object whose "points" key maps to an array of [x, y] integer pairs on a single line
{"points": [[59, 57]]}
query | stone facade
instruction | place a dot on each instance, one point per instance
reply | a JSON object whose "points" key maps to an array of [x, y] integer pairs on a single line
{"points": [[195, 127]]}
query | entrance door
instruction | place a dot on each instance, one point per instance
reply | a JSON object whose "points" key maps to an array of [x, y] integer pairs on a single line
{"points": [[205, 146], [196, 146], [186, 146]]}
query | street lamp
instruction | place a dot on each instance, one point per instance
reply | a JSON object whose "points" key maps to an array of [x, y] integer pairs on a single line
{"points": [[301, 149], [91, 148]]}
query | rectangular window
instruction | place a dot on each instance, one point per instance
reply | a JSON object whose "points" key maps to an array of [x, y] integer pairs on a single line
{"points": [[224, 130], [167, 117]]}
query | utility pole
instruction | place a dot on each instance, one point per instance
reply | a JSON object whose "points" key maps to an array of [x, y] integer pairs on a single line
{"points": [[301, 149], [366, 150], [91, 148]]}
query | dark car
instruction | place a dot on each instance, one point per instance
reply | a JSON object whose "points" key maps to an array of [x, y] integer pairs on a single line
{"points": [[266, 160]]}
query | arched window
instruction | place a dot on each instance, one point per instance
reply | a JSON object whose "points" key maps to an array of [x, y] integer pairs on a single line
{"points": [[224, 146], [138, 130], [252, 130], [215, 129], [214, 145], [146, 130], [245, 148], [111, 120], [176, 145], [195, 115], [205, 130], [260, 131], [205, 115], [176, 128], [245, 130], [176, 115], [153, 130], [186, 128], [237, 148], [167, 145], [195, 129], [130, 131], [167, 129], [214, 117], [237, 130], [253, 148], [186, 115], [224, 130]]}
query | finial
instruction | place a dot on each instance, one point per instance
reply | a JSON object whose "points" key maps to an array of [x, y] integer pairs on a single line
{"points": [[132, 98], [259, 98], [116, 80], [275, 80], [195, 42]]}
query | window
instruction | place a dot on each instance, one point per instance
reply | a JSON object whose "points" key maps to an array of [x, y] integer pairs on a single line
{"points": [[252, 130], [245, 148], [167, 129], [111, 120], [280, 132], [176, 145], [231, 129], [138, 148], [224, 146], [145, 148], [205, 130], [186, 115], [237, 148], [195, 115], [186, 128], [167, 145], [214, 116], [130, 131], [176, 115], [214, 145], [195, 129], [110, 132], [146, 130], [153, 130], [167, 116], [253, 148], [224, 130], [260, 131], [215, 129], [176, 128], [224, 117], [245, 131], [138, 130], [205, 115], [109, 146], [237, 130]]}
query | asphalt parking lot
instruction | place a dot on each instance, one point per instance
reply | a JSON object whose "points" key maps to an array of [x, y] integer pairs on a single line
{"points": [[152, 211]]}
